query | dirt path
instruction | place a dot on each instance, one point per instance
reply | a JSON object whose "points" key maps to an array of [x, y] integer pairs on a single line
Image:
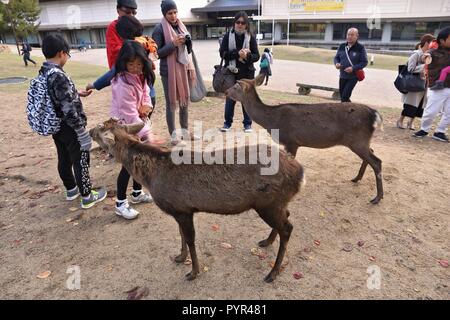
{"points": [[405, 236]]}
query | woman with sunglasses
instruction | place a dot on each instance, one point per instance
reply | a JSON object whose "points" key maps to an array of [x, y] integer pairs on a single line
{"points": [[113, 41], [239, 50]]}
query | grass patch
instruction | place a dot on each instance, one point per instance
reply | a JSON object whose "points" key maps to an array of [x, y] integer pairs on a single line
{"points": [[324, 56], [12, 65]]}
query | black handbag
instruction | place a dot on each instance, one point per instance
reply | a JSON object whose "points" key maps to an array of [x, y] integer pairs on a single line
{"points": [[223, 78], [408, 82]]}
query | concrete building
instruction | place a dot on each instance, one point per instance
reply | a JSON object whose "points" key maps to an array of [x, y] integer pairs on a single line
{"points": [[382, 23], [393, 23]]}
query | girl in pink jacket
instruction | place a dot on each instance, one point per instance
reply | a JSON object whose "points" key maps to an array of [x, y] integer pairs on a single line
{"points": [[131, 104]]}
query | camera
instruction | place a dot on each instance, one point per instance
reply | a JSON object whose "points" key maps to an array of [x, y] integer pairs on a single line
{"points": [[187, 37]]}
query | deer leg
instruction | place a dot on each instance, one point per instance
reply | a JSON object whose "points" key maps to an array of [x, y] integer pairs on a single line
{"points": [[277, 219], [292, 149], [379, 178], [183, 255], [366, 154], [273, 235], [186, 224], [362, 170]]}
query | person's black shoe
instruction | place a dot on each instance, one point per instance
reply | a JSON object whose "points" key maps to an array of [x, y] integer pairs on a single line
{"points": [[440, 136], [420, 134]]}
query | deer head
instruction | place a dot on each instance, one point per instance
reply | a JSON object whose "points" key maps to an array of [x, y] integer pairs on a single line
{"points": [[118, 129], [244, 87]]}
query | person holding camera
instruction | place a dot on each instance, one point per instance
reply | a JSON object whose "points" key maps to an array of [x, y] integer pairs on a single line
{"points": [[175, 67], [239, 50]]}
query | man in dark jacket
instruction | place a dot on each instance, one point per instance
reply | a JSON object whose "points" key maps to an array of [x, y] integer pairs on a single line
{"points": [[26, 49], [113, 40], [356, 52]]}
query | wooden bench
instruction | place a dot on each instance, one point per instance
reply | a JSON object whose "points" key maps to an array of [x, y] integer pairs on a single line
{"points": [[305, 89]]}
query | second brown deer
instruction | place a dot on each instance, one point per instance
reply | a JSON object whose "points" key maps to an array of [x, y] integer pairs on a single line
{"points": [[321, 125]]}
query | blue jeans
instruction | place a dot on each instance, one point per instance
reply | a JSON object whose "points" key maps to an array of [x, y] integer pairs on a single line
{"points": [[229, 114]]}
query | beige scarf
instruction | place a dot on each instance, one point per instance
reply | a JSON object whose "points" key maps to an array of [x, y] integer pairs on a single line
{"points": [[181, 69]]}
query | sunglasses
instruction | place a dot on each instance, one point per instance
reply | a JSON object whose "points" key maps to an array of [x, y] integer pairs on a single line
{"points": [[242, 23], [128, 11]]}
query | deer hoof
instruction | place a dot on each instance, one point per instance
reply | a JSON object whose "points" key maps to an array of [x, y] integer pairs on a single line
{"points": [[356, 180], [264, 243], [269, 278], [375, 200], [181, 258], [191, 276]]}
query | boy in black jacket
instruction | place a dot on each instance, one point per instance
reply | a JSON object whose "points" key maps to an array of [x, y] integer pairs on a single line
{"points": [[72, 140]]}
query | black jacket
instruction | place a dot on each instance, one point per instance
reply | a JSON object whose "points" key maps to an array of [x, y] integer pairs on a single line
{"points": [[246, 69], [165, 49], [441, 59], [65, 97]]}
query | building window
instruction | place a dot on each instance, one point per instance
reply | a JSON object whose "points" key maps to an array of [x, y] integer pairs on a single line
{"points": [[304, 31], [340, 31], [412, 31]]}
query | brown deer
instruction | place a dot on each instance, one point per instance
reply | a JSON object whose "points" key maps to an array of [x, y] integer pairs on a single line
{"points": [[180, 190], [321, 125]]}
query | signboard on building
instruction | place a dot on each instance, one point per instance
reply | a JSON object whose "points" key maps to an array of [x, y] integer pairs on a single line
{"points": [[316, 5]]}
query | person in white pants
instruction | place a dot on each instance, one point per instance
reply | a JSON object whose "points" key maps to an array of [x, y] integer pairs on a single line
{"points": [[438, 100]]}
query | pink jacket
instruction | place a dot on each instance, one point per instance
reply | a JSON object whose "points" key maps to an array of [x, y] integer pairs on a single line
{"points": [[128, 93]]}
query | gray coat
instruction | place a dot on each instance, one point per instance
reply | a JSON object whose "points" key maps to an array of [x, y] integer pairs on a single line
{"points": [[415, 65]]}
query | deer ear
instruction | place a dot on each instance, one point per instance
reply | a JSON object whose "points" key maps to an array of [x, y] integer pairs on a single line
{"points": [[259, 80]]}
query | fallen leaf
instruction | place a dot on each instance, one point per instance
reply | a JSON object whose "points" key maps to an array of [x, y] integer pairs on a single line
{"points": [[317, 242], [44, 275], [187, 262], [416, 290], [444, 263], [75, 224], [72, 209], [142, 294], [132, 293], [215, 227], [205, 269], [298, 275], [255, 251], [409, 231], [226, 245], [322, 214], [360, 243], [372, 258], [69, 220], [347, 247]]}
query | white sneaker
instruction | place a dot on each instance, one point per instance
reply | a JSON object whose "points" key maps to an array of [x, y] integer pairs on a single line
{"points": [[126, 211], [141, 198]]}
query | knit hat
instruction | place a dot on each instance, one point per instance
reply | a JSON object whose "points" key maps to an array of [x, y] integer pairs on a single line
{"points": [[127, 3], [167, 5]]}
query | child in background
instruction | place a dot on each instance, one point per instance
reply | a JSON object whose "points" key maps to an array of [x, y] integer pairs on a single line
{"points": [[439, 84], [131, 104], [72, 140]]}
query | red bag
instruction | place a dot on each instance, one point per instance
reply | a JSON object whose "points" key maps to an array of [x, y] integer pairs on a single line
{"points": [[360, 74]]}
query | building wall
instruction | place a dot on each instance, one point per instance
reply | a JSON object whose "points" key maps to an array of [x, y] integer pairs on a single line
{"points": [[362, 9], [98, 13]]}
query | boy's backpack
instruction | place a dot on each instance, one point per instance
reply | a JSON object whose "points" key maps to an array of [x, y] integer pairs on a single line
{"points": [[40, 108], [29, 47]]}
